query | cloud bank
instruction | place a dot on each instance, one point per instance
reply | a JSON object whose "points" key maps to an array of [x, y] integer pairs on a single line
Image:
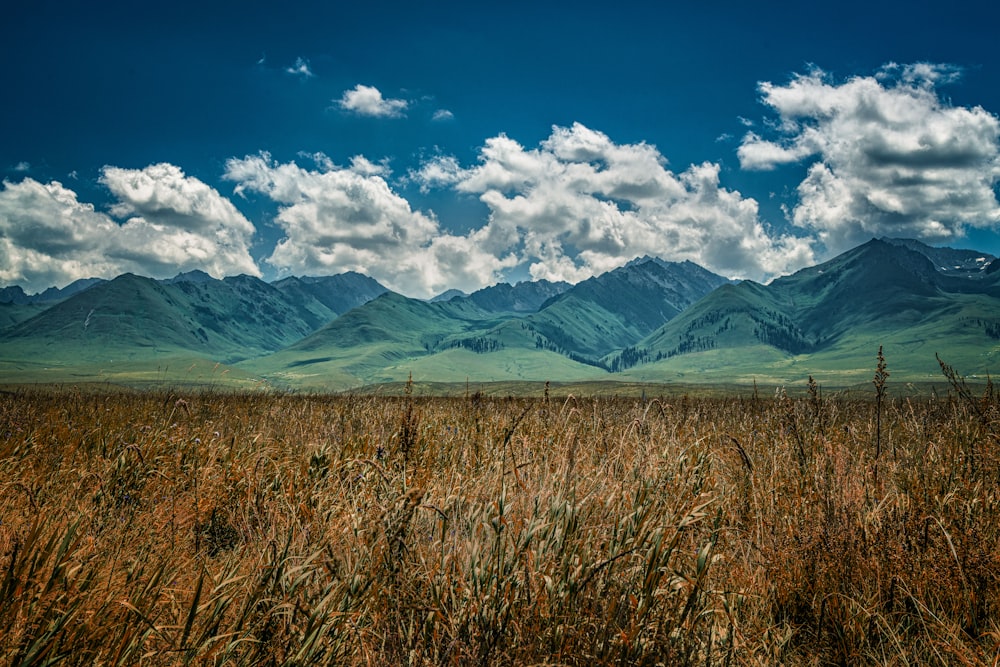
{"points": [[888, 155], [580, 204], [884, 154], [171, 223], [574, 207], [339, 219]]}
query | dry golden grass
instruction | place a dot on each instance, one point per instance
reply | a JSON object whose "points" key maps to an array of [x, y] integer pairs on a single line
{"points": [[292, 530]]}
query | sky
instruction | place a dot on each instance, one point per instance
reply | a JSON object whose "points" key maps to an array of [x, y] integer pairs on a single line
{"points": [[442, 145]]}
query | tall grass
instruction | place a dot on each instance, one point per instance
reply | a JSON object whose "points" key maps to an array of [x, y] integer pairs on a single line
{"points": [[289, 530]]}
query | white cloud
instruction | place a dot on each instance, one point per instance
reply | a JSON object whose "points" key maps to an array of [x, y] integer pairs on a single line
{"points": [[580, 204], [177, 223], [300, 68], [362, 165], [890, 157], [340, 219], [442, 115], [368, 101], [22, 167], [191, 224], [161, 194], [438, 171]]}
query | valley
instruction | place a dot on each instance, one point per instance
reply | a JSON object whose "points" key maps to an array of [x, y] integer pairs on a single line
{"points": [[650, 321]]}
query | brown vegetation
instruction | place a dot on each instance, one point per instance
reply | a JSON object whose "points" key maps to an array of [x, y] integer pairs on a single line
{"points": [[262, 529]]}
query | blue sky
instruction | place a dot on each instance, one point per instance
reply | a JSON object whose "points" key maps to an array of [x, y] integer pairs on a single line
{"points": [[444, 144]]}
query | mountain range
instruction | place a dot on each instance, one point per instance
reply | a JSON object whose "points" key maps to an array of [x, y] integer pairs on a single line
{"points": [[647, 321]]}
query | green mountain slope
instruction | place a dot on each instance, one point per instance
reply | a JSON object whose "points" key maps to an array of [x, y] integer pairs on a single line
{"points": [[15, 294], [133, 317], [524, 297], [483, 337], [17, 306], [833, 317], [355, 348], [190, 316], [336, 294], [950, 261], [618, 308], [14, 313], [649, 321]]}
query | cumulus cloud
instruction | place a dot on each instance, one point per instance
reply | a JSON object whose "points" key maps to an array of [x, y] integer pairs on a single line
{"points": [[362, 165], [190, 223], [438, 171], [580, 204], [174, 223], [22, 167], [575, 206], [442, 115], [889, 155], [349, 218], [368, 101]]}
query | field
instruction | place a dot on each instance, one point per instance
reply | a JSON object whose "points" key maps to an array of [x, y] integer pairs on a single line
{"points": [[263, 529]]}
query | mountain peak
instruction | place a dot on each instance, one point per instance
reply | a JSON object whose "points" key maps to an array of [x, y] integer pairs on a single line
{"points": [[448, 295], [339, 293], [524, 297], [875, 265], [642, 260], [624, 304], [946, 260], [194, 276], [15, 294]]}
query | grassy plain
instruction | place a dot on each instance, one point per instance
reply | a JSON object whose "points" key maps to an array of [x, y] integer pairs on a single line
{"points": [[262, 529]]}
